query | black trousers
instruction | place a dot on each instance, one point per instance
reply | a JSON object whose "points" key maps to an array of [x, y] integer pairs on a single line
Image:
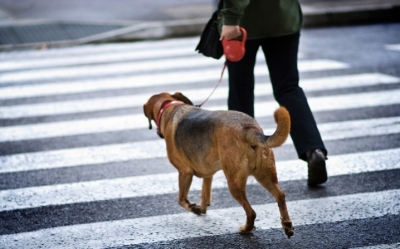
{"points": [[281, 57]]}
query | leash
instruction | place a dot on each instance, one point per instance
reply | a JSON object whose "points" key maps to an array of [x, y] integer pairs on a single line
{"points": [[234, 50], [220, 79]]}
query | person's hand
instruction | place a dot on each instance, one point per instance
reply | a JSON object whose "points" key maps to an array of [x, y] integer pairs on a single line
{"points": [[230, 32]]}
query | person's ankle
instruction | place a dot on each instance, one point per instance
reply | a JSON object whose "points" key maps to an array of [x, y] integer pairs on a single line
{"points": [[308, 153]]}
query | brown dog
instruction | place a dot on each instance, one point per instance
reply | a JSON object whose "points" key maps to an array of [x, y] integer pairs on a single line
{"points": [[201, 142]]}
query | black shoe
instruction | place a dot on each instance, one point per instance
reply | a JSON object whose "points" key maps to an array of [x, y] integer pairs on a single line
{"points": [[316, 168]]}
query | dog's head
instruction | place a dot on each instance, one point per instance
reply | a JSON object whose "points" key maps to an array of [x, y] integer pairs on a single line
{"points": [[155, 103]]}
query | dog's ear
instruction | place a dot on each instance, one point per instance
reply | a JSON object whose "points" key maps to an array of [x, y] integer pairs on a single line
{"points": [[181, 97], [148, 112]]}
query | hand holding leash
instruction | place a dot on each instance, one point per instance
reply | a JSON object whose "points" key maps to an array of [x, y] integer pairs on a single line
{"points": [[234, 50], [230, 32]]}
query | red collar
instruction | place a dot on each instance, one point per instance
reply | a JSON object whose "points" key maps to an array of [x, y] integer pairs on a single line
{"points": [[163, 108]]}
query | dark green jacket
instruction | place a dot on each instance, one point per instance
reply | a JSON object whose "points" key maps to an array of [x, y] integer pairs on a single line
{"points": [[263, 18]]}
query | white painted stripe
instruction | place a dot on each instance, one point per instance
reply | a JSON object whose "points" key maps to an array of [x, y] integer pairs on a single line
{"points": [[159, 184], [83, 50], [144, 66], [336, 102], [345, 102], [382, 246], [329, 131], [114, 68], [215, 222], [359, 128], [71, 128], [152, 53], [347, 81], [82, 86], [114, 56], [325, 83], [98, 48], [395, 47], [353, 128], [82, 156]]}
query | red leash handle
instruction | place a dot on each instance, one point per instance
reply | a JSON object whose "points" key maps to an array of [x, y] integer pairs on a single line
{"points": [[234, 50]]}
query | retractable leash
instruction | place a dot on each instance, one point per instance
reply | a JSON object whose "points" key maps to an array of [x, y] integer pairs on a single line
{"points": [[220, 79], [234, 51]]}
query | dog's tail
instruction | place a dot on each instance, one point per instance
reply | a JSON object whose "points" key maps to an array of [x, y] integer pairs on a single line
{"points": [[259, 142], [282, 119], [258, 139]]}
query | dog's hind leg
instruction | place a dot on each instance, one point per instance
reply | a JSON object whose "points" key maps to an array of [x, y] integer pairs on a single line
{"points": [[185, 180], [237, 186], [206, 193], [268, 179]]}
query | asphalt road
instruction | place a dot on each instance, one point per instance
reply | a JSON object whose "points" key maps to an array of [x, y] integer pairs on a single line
{"points": [[102, 10], [80, 169]]}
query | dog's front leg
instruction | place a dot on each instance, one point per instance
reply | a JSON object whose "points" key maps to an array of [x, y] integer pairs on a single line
{"points": [[206, 193], [185, 180]]}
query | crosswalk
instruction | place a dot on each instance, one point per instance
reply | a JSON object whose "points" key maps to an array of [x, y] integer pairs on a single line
{"points": [[121, 192], [173, 227]]}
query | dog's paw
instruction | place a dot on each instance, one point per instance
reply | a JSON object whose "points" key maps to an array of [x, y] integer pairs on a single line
{"points": [[197, 209], [246, 230], [288, 228]]}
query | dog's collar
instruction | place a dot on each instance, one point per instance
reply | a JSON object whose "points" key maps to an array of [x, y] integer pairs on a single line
{"points": [[163, 108]]}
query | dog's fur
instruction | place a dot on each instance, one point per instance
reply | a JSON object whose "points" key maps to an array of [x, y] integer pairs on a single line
{"points": [[201, 142]]}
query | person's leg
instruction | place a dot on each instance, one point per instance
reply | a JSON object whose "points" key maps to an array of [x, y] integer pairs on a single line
{"points": [[241, 80], [281, 57]]}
